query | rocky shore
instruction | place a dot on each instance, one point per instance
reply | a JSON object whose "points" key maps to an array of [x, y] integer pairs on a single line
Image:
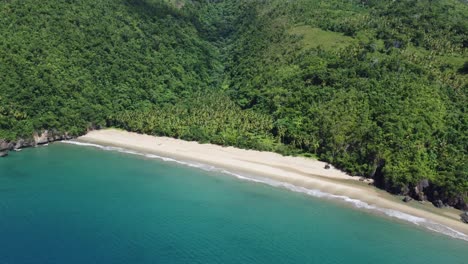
{"points": [[37, 139], [425, 191]]}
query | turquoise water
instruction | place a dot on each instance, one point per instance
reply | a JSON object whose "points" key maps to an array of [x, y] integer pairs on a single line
{"points": [[74, 204]]}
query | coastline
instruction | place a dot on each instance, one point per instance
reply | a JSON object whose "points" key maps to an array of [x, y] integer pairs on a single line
{"points": [[296, 173]]}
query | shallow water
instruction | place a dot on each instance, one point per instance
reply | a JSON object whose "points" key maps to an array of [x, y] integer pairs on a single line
{"points": [[75, 204]]}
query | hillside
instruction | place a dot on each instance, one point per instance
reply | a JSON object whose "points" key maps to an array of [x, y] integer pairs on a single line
{"points": [[377, 88]]}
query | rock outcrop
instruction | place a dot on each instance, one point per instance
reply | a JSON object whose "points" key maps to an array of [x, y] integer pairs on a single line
{"points": [[419, 190], [423, 190], [37, 139], [42, 138], [5, 145], [464, 217], [458, 202], [407, 199], [438, 203]]}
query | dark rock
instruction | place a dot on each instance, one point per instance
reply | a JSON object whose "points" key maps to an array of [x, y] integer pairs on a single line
{"points": [[458, 202], [464, 217], [419, 194], [461, 204], [28, 143], [405, 190], [419, 190], [3, 153], [327, 166], [421, 197], [438, 203], [407, 199]]}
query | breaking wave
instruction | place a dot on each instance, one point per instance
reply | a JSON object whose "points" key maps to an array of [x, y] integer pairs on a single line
{"points": [[419, 221]]}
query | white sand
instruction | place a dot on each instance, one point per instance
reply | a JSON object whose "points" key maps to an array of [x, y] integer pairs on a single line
{"points": [[302, 172]]}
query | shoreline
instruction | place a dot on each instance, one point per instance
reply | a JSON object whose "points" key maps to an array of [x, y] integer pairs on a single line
{"points": [[295, 173]]}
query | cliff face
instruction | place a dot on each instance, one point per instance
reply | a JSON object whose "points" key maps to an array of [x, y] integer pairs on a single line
{"points": [[37, 139]]}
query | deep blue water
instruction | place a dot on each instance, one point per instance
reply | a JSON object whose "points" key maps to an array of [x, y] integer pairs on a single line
{"points": [[72, 204]]}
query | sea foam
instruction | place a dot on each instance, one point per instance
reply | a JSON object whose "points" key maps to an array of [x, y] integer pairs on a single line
{"points": [[419, 221]]}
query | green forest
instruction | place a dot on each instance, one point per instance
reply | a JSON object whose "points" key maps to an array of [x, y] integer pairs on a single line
{"points": [[376, 88]]}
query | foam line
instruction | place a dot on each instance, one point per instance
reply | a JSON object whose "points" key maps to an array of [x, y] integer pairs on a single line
{"points": [[419, 221]]}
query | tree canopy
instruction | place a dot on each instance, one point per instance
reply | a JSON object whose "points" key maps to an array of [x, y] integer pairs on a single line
{"points": [[377, 88]]}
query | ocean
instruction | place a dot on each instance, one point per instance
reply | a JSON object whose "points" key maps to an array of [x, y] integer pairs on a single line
{"points": [[79, 204]]}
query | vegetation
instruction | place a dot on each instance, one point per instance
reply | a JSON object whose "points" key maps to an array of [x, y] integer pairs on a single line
{"points": [[206, 118], [377, 88]]}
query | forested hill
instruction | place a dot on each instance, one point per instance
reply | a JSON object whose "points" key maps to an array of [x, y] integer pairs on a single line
{"points": [[377, 88]]}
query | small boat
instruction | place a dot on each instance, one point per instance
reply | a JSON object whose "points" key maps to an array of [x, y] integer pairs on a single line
{"points": [[17, 150]]}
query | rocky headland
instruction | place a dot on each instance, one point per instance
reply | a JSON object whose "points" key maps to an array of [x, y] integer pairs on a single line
{"points": [[42, 138]]}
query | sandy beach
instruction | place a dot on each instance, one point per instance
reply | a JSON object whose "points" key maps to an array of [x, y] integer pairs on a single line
{"points": [[298, 171]]}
